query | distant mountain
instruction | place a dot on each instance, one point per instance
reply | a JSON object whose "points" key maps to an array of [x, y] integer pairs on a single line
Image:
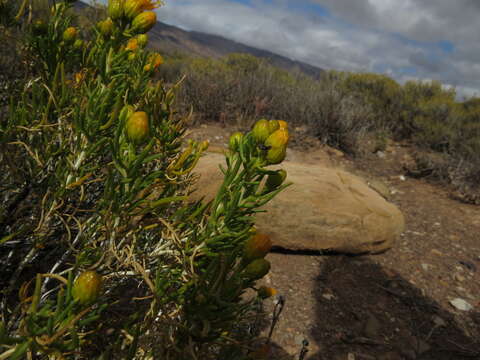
{"points": [[169, 39]]}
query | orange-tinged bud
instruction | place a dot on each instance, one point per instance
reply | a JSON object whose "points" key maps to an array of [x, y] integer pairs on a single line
{"points": [[283, 124], [70, 34], [132, 45], [147, 68], [275, 180], [105, 27], [273, 125], [256, 247], [235, 140], [142, 40], [265, 292], [144, 22], [276, 155], [261, 131], [115, 9], [278, 138], [256, 270], [155, 60], [87, 287], [137, 127]]}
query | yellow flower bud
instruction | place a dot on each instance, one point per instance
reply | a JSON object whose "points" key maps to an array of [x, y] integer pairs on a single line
{"points": [[137, 127], [133, 8], [276, 155], [106, 27], [70, 34], [278, 138], [265, 292], [275, 180], [261, 131], [144, 22], [204, 145], [257, 247], [78, 44], [132, 56], [273, 125], [257, 269], [115, 9], [283, 124], [235, 140], [142, 40], [156, 60], [132, 45], [87, 287]]}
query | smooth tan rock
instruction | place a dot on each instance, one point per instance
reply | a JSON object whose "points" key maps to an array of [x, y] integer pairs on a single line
{"points": [[325, 209]]}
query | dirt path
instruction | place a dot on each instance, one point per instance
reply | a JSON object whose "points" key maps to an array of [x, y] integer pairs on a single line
{"points": [[390, 306]]}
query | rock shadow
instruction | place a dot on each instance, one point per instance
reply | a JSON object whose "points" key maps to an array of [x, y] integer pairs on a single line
{"points": [[367, 312]]}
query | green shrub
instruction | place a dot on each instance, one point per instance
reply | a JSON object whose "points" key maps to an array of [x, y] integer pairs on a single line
{"points": [[103, 253]]}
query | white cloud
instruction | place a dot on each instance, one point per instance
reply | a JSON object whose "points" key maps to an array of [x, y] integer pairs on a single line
{"points": [[434, 39]]}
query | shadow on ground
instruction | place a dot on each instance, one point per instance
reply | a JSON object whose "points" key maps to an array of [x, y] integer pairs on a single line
{"points": [[372, 313]]}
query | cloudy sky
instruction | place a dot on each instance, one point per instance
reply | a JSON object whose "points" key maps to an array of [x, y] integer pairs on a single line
{"points": [[419, 39]]}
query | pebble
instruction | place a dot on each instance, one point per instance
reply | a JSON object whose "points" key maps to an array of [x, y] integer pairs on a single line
{"points": [[459, 277], [328, 296], [403, 178], [438, 321], [426, 267], [461, 304]]}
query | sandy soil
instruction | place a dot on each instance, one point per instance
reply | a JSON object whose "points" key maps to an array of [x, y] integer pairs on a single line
{"points": [[396, 305]]}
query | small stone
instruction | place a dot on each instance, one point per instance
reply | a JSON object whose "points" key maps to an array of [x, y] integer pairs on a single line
{"points": [[403, 178], [459, 277], [436, 252], [425, 267], [437, 224], [438, 321], [328, 296], [461, 304], [380, 154], [351, 356]]}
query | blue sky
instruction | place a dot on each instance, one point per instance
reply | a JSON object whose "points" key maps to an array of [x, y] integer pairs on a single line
{"points": [[405, 39]]}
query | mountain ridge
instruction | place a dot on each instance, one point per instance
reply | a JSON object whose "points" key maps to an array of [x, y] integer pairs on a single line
{"points": [[171, 39]]}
